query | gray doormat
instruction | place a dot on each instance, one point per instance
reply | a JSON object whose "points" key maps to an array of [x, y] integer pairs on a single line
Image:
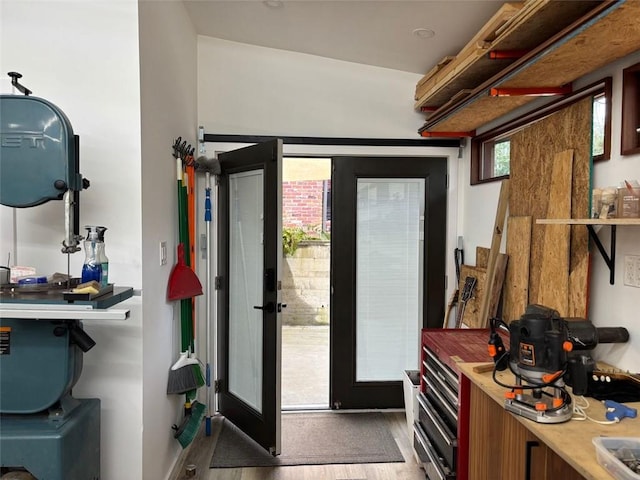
{"points": [[312, 439]]}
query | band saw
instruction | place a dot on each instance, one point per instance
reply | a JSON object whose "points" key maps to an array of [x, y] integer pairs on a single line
{"points": [[44, 430]]}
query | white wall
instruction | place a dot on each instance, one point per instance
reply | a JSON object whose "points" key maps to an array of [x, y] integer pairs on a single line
{"points": [[610, 305], [168, 95], [616, 305], [243, 89], [83, 57]]}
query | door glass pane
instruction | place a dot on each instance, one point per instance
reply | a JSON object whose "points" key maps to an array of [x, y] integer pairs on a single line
{"points": [[389, 246], [245, 286]]}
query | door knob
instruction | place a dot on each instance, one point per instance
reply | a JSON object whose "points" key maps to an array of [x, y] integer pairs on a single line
{"points": [[270, 307]]}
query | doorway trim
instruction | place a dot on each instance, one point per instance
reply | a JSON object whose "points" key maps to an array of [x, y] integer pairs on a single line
{"points": [[327, 148]]}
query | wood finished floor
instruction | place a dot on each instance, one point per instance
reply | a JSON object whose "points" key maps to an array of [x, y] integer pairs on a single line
{"points": [[200, 451]]}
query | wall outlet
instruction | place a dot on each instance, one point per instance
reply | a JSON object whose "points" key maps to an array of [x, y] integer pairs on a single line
{"points": [[631, 274], [163, 253]]}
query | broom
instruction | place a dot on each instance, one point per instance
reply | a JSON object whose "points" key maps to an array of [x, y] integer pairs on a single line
{"points": [[185, 375], [188, 429], [194, 411]]}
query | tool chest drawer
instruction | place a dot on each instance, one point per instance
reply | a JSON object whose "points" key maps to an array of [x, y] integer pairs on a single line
{"points": [[442, 437], [434, 466]]}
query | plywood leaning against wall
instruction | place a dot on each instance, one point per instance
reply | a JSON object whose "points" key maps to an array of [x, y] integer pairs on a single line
{"points": [[533, 151], [482, 261], [516, 283], [556, 244]]}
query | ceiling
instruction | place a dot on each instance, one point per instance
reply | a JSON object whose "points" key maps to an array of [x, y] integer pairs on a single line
{"points": [[378, 33]]}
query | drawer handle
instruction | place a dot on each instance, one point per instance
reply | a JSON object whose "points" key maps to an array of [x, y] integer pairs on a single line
{"points": [[444, 368], [444, 402], [453, 396], [529, 446], [443, 434], [432, 459]]}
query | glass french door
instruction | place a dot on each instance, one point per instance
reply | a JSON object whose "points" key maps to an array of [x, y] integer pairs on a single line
{"points": [[388, 264], [249, 305]]}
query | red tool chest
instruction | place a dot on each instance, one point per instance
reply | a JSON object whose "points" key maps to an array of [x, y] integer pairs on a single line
{"points": [[441, 431]]}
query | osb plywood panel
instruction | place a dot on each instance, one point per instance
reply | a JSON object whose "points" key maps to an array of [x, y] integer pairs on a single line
{"points": [[482, 257], [511, 28], [532, 151], [516, 284], [479, 112], [610, 38], [554, 285], [471, 314], [614, 36]]}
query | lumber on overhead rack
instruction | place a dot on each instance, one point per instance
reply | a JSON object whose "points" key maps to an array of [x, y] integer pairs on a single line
{"points": [[516, 26], [475, 48], [607, 33]]}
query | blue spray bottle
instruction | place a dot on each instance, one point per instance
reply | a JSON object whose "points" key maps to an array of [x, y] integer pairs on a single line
{"points": [[91, 270]]}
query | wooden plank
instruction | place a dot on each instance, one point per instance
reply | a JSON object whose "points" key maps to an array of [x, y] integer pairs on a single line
{"points": [[498, 284], [437, 67], [554, 274], [498, 228], [482, 257], [482, 260], [474, 49], [471, 315], [515, 29], [516, 286], [590, 221], [578, 53]]}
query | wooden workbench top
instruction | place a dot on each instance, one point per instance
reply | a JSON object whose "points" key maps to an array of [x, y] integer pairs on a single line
{"points": [[570, 440]]}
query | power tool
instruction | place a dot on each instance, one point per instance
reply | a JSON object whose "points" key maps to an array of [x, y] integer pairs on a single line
{"points": [[544, 356], [44, 429]]}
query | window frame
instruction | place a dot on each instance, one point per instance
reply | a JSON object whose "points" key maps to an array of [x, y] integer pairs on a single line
{"points": [[630, 135], [489, 138]]}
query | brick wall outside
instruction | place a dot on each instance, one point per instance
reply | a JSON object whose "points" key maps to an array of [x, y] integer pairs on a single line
{"points": [[302, 205]]}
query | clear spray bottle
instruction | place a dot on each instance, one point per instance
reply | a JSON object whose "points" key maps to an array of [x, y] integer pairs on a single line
{"points": [[102, 257], [91, 270]]}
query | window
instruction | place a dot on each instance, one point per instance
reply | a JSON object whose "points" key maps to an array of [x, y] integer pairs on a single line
{"points": [[496, 155], [490, 152], [599, 126], [631, 110]]}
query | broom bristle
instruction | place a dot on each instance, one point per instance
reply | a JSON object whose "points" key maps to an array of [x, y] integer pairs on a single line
{"points": [[182, 380], [192, 425], [198, 375]]}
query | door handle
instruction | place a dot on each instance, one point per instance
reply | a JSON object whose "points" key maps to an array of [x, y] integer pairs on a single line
{"points": [[270, 307]]}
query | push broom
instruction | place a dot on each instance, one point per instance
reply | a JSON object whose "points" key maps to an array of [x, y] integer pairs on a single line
{"points": [[209, 167]]}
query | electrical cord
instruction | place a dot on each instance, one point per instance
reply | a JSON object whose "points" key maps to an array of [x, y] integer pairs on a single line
{"points": [[580, 414]]}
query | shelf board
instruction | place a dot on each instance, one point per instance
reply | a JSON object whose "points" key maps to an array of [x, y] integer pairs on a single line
{"points": [[606, 34], [589, 221], [608, 257]]}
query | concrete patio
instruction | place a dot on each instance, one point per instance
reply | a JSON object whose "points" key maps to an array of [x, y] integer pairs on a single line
{"points": [[305, 367]]}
